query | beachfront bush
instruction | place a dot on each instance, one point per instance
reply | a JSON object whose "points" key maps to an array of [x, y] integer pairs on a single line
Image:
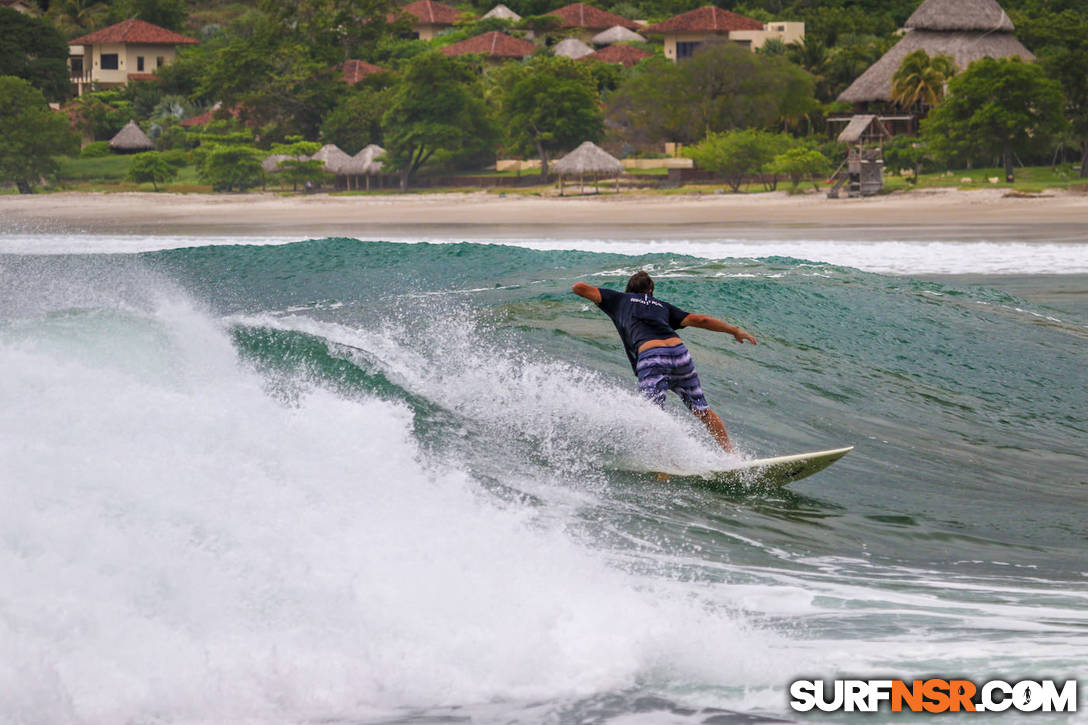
{"points": [[738, 155], [178, 158], [800, 163], [231, 168], [151, 166], [95, 150]]}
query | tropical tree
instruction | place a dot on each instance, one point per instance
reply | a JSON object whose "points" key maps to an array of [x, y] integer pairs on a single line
{"points": [[722, 87], [74, 17], [170, 14], [356, 121], [30, 134], [32, 49], [299, 168], [336, 30], [436, 106], [1059, 41], [151, 166], [921, 80], [996, 107], [547, 106]]}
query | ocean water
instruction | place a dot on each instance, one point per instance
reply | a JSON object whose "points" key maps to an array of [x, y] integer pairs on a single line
{"points": [[339, 481]]}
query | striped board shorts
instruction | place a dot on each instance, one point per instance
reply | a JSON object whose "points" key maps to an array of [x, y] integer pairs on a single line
{"points": [[660, 369]]}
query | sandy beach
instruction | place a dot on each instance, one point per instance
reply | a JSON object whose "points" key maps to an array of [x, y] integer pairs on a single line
{"points": [[946, 214]]}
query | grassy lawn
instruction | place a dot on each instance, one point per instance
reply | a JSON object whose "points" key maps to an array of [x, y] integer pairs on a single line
{"points": [[108, 173], [1029, 179]]}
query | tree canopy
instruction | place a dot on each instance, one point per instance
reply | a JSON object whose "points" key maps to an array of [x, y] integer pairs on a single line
{"points": [[723, 86], [547, 106], [30, 134], [997, 108], [32, 49], [437, 105]]}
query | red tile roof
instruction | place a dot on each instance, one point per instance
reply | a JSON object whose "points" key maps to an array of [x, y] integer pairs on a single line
{"points": [[429, 12], [707, 19], [626, 54], [208, 116], [493, 44], [580, 15], [142, 77], [356, 70], [133, 31]]}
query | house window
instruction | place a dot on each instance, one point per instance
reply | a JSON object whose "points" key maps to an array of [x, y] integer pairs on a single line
{"points": [[77, 64], [109, 61], [139, 64], [159, 61], [686, 50]]}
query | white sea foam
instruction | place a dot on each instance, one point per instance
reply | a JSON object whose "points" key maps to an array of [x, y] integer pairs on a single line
{"points": [[904, 257], [176, 545]]}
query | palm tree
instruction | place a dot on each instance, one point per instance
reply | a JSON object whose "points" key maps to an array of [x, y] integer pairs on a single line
{"points": [[75, 17], [921, 80]]}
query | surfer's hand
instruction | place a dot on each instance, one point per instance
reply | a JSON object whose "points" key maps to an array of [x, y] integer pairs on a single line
{"points": [[741, 336]]}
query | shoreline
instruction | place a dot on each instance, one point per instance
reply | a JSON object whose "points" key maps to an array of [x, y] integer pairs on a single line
{"points": [[920, 215]]}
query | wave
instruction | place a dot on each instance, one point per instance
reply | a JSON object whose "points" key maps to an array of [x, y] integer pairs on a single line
{"points": [[897, 257], [345, 481]]}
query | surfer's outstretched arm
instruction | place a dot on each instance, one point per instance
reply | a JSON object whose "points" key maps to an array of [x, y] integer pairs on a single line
{"points": [[588, 291], [714, 324]]}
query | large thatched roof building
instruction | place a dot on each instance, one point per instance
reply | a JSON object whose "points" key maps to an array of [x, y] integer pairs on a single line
{"points": [[966, 30]]}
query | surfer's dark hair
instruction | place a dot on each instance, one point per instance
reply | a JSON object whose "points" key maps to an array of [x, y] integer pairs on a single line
{"points": [[640, 282]]}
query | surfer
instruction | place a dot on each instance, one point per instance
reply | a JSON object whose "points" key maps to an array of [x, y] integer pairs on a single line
{"points": [[661, 362]]}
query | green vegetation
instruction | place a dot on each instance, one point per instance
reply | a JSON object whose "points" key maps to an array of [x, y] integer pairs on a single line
{"points": [[273, 68], [152, 167], [1000, 107], [30, 134], [437, 106], [32, 49], [547, 106], [921, 80], [722, 87]]}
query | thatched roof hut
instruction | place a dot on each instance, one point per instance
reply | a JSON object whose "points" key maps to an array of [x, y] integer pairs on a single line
{"points": [[572, 48], [985, 16], [502, 12], [271, 163], [131, 139], [589, 159], [617, 34], [966, 30], [363, 163], [331, 157]]}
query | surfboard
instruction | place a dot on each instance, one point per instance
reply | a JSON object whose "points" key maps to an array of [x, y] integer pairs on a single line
{"points": [[777, 471]]}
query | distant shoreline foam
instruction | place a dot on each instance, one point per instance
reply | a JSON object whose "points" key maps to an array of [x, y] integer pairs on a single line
{"points": [[907, 257]]}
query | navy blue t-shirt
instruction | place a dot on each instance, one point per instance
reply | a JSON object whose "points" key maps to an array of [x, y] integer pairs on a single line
{"points": [[640, 317]]}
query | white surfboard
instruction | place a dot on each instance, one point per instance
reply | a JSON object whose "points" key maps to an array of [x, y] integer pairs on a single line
{"points": [[777, 471]]}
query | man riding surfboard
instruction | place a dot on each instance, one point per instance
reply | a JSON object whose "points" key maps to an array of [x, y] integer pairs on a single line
{"points": [[647, 327]]}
